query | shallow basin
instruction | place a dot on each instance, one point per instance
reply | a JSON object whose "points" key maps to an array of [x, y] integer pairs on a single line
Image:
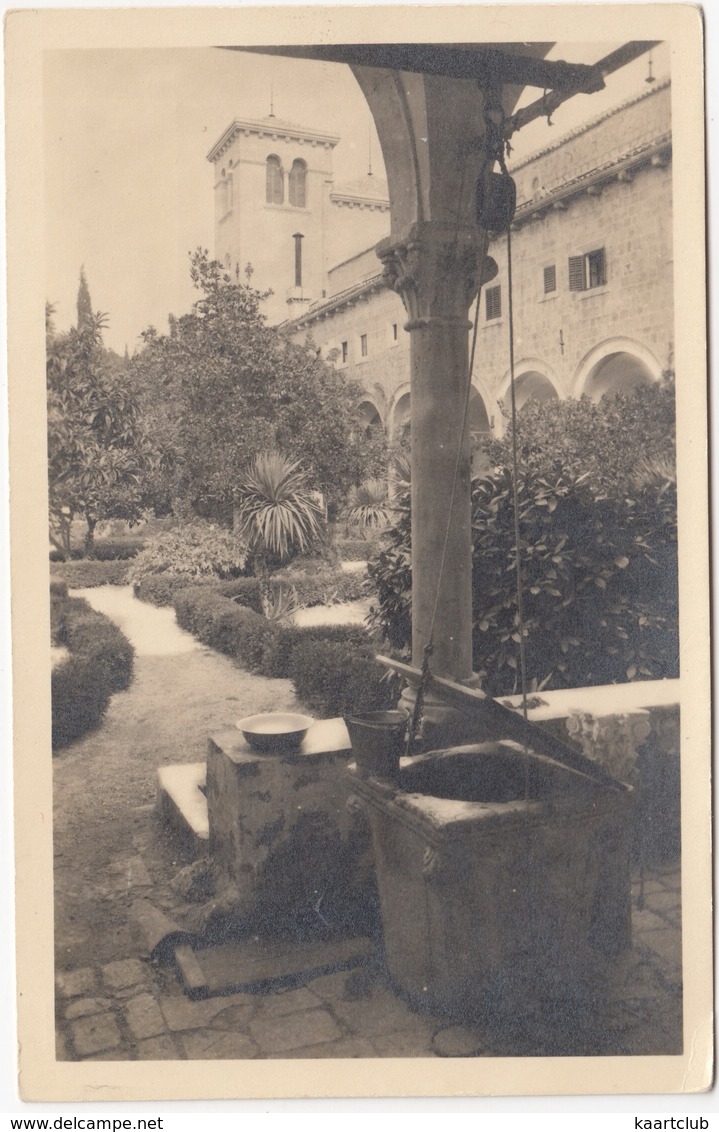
{"points": [[275, 730]]}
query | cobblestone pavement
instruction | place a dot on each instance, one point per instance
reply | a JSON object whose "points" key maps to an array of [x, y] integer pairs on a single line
{"points": [[130, 1010]]}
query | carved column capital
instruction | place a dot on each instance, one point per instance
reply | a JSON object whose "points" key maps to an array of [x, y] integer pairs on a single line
{"points": [[436, 270]]}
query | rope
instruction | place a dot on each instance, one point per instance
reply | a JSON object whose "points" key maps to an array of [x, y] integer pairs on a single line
{"points": [[515, 492]]}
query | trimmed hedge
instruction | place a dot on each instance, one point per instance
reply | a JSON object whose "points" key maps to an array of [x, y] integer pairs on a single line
{"points": [[100, 664], [332, 666], [87, 574], [328, 587], [354, 549], [322, 588], [340, 678], [105, 550], [218, 621]]}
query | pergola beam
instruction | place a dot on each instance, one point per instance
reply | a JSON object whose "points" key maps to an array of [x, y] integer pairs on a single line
{"points": [[544, 107], [486, 66]]}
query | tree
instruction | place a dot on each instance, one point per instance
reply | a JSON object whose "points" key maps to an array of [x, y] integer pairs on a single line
{"points": [[276, 509], [225, 387], [84, 304], [99, 455]]}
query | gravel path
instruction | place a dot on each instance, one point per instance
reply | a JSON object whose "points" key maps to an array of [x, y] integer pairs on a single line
{"points": [[104, 785]]}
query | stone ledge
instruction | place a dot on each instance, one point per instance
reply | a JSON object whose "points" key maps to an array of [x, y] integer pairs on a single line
{"points": [[326, 737], [182, 803]]}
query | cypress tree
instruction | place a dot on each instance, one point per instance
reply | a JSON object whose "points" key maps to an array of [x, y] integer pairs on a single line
{"points": [[84, 303]]}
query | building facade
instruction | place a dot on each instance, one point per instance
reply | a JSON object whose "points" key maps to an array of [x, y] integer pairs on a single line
{"points": [[592, 268]]}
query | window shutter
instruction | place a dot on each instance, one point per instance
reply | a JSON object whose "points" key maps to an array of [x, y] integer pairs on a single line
{"points": [[576, 273], [550, 279], [597, 268], [493, 302]]}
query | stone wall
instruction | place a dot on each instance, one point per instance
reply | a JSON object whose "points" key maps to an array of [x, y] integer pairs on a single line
{"points": [[606, 186]]}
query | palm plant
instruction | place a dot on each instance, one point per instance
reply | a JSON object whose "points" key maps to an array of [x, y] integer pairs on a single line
{"points": [[276, 508], [368, 505]]}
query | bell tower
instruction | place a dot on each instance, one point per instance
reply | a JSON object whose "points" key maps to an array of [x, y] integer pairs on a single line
{"points": [[272, 197]]}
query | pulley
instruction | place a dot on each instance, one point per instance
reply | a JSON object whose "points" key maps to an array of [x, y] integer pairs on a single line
{"points": [[496, 201]]}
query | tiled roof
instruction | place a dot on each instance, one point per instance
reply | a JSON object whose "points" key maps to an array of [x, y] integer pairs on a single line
{"points": [[514, 167]]}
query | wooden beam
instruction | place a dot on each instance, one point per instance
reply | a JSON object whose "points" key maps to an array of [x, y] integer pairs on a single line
{"points": [[544, 107], [486, 66], [508, 722]]}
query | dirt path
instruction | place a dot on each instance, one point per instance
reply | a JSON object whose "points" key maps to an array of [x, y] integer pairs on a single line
{"points": [[104, 785]]}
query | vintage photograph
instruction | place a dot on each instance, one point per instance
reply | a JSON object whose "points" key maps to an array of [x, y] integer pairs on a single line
{"points": [[371, 549]]}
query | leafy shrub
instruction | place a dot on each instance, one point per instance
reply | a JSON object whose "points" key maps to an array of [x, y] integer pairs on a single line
{"points": [[104, 550], [326, 587], [369, 505], [100, 663], [57, 588], [194, 550], [87, 574], [243, 591], [158, 589], [340, 678], [278, 512], [599, 583], [353, 549], [599, 554], [281, 651], [76, 554], [120, 549], [604, 441], [217, 621]]}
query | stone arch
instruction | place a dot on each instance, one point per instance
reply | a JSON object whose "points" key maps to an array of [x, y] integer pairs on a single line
{"points": [[534, 380], [479, 430], [370, 414], [615, 365], [400, 413]]}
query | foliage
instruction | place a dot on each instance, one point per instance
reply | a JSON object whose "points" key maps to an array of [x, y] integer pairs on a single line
{"points": [[598, 531], [219, 622], [340, 678], [275, 509], [193, 550], [223, 386], [280, 603], [368, 504], [105, 550], [98, 452], [87, 574], [100, 663], [323, 587], [84, 303], [599, 583], [607, 442], [390, 573], [353, 549], [332, 666]]}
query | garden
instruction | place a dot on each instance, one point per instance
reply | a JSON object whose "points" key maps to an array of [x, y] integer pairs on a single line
{"points": [[227, 538], [230, 479]]}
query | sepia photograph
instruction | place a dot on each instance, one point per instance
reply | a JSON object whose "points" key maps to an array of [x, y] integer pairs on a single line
{"points": [[360, 551]]}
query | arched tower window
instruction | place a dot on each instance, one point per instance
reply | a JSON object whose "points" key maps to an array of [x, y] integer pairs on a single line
{"points": [[275, 191], [298, 183]]}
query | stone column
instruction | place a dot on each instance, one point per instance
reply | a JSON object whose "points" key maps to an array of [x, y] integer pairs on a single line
{"points": [[436, 270]]}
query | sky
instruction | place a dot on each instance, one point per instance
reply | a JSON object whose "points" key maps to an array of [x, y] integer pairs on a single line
{"points": [[128, 187]]}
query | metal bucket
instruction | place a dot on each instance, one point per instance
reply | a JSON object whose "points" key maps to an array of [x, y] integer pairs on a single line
{"points": [[378, 741]]}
